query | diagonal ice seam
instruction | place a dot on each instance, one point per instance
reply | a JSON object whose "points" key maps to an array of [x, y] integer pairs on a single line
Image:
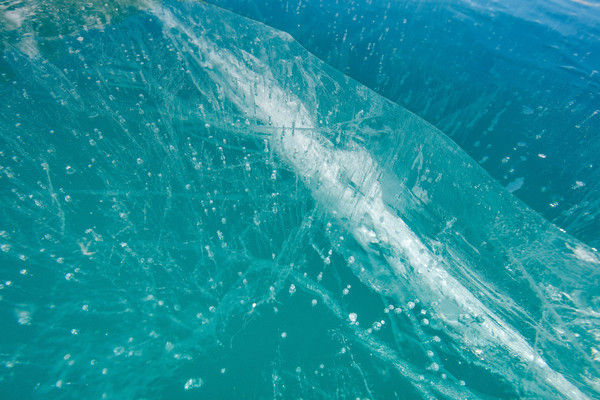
{"points": [[359, 202]]}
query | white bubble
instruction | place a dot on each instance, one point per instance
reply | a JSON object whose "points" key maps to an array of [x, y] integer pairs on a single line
{"points": [[118, 350], [353, 317], [193, 383], [23, 317]]}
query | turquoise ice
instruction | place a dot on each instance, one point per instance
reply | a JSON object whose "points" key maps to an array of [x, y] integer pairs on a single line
{"points": [[193, 206]]}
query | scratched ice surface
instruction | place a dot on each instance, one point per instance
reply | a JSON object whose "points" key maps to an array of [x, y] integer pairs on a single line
{"points": [[193, 206], [515, 84]]}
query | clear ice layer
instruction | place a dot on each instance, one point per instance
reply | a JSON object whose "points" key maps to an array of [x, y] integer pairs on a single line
{"points": [[194, 206]]}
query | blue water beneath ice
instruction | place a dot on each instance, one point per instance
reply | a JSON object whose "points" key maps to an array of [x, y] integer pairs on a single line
{"points": [[390, 200]]}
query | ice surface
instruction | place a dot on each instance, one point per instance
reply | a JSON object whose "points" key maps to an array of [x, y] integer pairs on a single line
{"points": [[194, 205], [506, 80]]}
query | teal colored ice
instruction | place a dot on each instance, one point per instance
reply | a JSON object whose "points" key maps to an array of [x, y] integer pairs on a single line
{"points": [[194, 206]]}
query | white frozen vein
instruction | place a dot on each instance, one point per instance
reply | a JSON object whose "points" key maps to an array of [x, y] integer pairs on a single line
{"points": [[360, 204]]}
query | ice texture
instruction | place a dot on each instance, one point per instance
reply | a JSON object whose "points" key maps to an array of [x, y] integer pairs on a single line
{"points": [[194, 205]]}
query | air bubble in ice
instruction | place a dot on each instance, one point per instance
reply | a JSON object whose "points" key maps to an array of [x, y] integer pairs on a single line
{"points": [[193, 383]]}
